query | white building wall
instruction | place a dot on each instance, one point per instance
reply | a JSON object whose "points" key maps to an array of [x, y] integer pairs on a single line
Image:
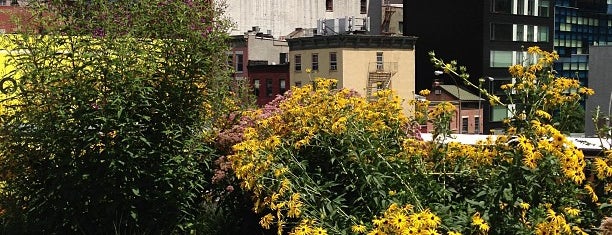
{"points": [[283, 16], [267, 49]]}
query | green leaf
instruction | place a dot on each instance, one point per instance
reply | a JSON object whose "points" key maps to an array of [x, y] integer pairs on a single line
{"points": [[134, 215], [136, 192]]}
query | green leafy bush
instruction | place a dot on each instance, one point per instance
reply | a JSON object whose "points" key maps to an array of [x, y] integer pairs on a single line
{"points": [[113, 99]]}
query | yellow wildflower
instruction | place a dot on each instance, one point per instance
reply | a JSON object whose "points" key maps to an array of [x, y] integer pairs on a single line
{"points": [[591, 192], [543, 114], [524, 205], [399, 220], [266, 221], [572, 211], [319, 231], [424, 92], [360, 228], [479, 222]]}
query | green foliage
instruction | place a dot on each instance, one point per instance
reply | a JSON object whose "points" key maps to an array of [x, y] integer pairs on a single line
{"points": [[326, 161], [113, 100]]}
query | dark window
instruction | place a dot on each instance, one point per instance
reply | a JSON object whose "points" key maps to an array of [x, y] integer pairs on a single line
{"points": [[333, 61], [531, 8], [282, 84], [315, 61], [282, 58], [329, 5], [269, 84], [464, 125], [239, 62], [256, 87], [298, 62], [477, 125], [363, 6], [298, 84], [501, 32], [502, 6], [543, 8], [520, 7], [400, 27]]}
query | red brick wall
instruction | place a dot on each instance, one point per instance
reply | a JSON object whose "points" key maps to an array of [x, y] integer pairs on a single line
{"points": [[6, 17], [272, 73]]}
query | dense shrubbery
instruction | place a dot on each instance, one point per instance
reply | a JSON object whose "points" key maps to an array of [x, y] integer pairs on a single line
{"points": [[122, 112], [113, 99], [326, 161]]}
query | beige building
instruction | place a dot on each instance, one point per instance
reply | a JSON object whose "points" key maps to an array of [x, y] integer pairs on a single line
{"points": [[364, 63]]}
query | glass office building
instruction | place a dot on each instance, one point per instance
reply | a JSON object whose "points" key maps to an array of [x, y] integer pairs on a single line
{"points": [[579, 24]]}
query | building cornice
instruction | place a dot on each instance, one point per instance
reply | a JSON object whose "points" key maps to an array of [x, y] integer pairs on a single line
{"points": [[352, 41]]}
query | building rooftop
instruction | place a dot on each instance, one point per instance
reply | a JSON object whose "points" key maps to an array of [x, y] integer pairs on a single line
{"points": [[352, 41], [460, 93]]}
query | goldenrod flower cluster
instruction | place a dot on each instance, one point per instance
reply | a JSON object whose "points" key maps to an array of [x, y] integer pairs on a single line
{"points": [[480, 223], [556, 224], [402, 220], [308, 227], [547, 140], [602, 166], [307, 112], [481, 154], [536, 82], [444, 109]]}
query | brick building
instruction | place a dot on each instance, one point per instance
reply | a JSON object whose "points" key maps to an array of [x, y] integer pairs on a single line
{"points": [[468, 108], [268, 81]]}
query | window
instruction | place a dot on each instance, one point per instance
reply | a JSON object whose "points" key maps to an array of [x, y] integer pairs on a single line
{"points": [[329, 5], [269, 85], [315, 61], [530, 32], [542, 34], [519, 7], [282, 84], [520, 33], [239, 62], [531, 8], [543, 8], [464, 125], [400, 27], [298, 62], [502, 6], [498, 113], [501, 59], [477, 124], [256, 87], [298, 84], [282, 58], [501, 32], [333, 61], [363, 7], [379, 61]]}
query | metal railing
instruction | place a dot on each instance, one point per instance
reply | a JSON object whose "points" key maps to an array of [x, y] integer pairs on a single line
{"points": [[384, 67]]}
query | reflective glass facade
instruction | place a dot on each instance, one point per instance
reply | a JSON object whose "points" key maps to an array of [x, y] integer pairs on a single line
{"points": [[578, 24]]}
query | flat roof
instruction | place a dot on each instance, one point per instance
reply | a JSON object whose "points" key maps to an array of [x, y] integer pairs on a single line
{"points": [[352, 41], [591, 147]]}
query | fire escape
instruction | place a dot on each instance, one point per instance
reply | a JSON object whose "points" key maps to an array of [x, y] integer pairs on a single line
{"points": [[379, 77], [388, 12]]}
